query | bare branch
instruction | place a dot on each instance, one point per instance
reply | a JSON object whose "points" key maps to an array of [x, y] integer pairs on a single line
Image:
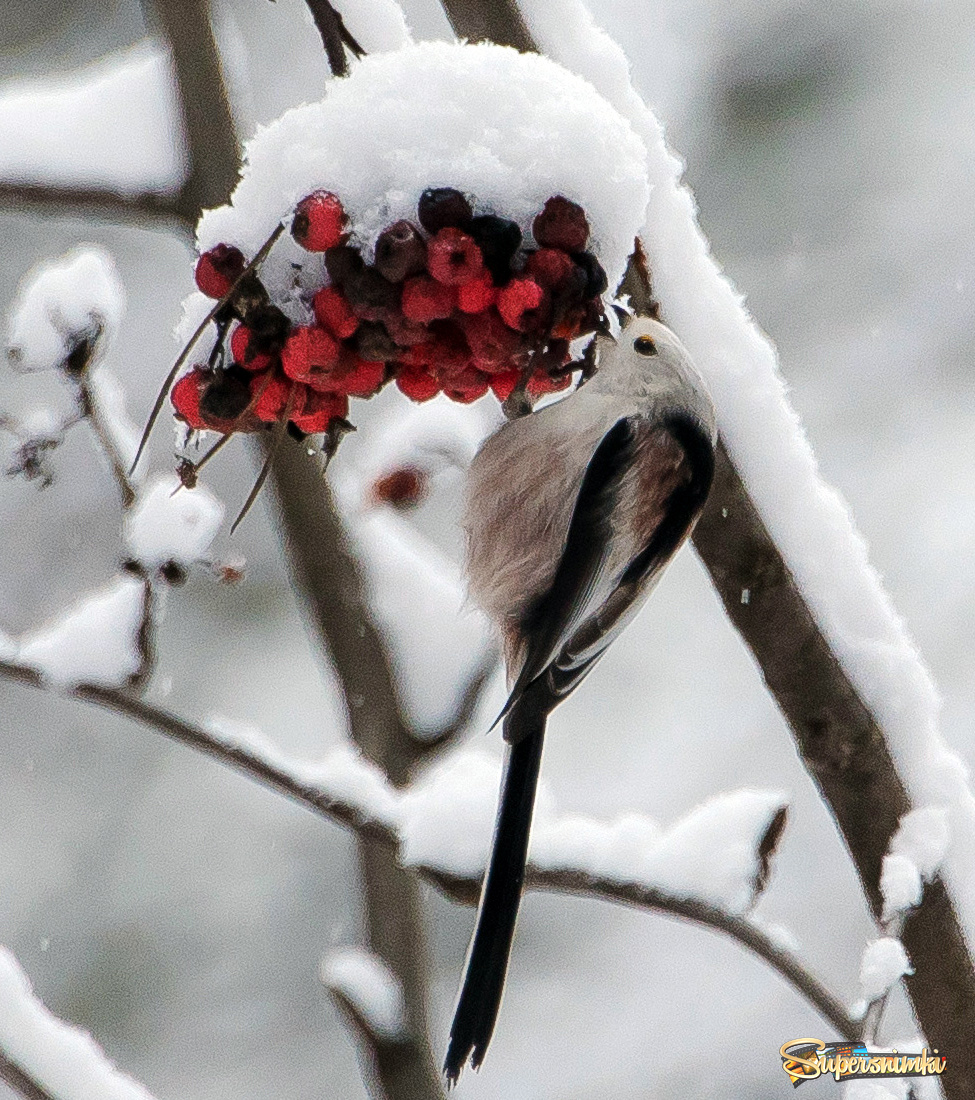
{"points": [[143, 210], [11, 1074], [336, 37], [464, 889]]}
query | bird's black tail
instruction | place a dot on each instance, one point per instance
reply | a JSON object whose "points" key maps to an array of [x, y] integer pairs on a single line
{"points": [[487, 959]]}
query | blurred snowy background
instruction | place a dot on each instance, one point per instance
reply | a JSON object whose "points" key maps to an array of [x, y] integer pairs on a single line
{"points": [[178, 911]]}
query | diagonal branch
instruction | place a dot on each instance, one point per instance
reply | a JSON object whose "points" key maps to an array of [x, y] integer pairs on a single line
{"points": [[371, 823], [336, 37], [11, 1074]]}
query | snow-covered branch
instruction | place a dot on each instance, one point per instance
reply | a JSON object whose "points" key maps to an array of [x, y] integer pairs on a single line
{"points": [[43, 1058], [630, 862]]}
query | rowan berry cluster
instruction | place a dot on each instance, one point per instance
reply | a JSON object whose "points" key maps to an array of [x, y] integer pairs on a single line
{"points": [[458, 303]]}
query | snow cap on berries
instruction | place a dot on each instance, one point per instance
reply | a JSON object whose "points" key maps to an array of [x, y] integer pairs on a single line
{"points": [[481, 120]]}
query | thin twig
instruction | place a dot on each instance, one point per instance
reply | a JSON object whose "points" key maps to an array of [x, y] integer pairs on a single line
{"points": [[91, 411], [336, 37], [463, 889]]}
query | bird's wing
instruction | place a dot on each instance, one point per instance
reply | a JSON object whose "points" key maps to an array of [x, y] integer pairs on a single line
{"points": [[557, 615], [683, 507], [565, 632]]}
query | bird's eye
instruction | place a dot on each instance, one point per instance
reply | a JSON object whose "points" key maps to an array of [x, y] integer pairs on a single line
{"points": [[645, 346]]}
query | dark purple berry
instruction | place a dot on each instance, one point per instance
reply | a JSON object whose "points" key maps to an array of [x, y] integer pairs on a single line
{"points": [[443, 208], [400, 252], [596, 281], [498, 239]]}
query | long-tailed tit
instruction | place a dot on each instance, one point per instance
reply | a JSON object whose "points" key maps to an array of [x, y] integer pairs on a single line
{"points": [[573, 513]]}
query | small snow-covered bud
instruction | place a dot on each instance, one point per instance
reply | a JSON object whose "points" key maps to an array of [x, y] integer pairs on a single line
{"points": [[218, 269], [400, 252], [319, 222], [443, 208], [561, 224]]}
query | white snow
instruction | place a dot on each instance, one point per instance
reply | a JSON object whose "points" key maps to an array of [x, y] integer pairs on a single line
{"points": [[884, 962], [95, 642], [59, 302], [164, 525], [913, 856], [343, 775], [63, 1060], [447, 818], [923, 837], [900, 884], [8, 647], [376, 25], [80, 129], [808, 520], [417, 600], [488, 120], [364, 980]]}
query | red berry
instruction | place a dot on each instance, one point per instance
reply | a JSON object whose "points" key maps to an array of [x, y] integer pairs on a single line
{"points": [[492, 343], [186, 397], [401, 488], [552, 269], [561, 224], [542, 382], [218, 269], [425, 300], [453, 258], [467, 386], [334, 312], [504, 383], [319, 222], [241, 348], [314, 411], [309, 353], [477, 295], [270, 393], [517, 299], [355, 377], [416, 382]]}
